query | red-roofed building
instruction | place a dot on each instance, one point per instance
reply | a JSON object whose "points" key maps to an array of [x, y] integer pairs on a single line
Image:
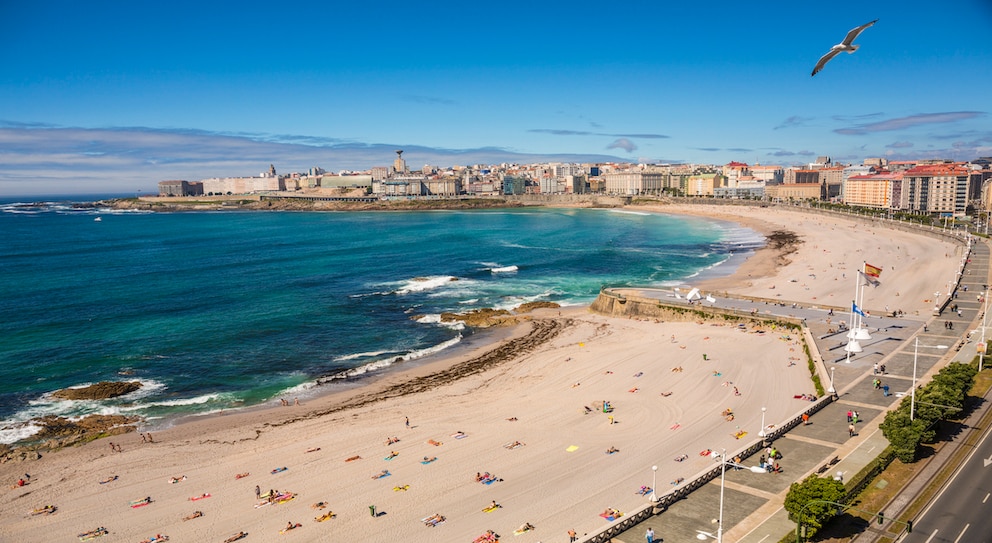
{"points": [[936, 189], [882, 190]]}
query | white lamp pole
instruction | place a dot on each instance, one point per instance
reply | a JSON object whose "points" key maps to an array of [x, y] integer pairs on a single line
{"points": [[654, 484], [701, 535], [832, 390], [761, 433], [723, 476], [985, 312]]}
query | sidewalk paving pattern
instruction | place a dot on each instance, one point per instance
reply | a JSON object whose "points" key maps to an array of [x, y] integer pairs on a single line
{"points": [[749, 516]]}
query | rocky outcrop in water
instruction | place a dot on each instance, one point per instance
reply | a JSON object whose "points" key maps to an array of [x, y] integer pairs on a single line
{"points": [[98, 391]]}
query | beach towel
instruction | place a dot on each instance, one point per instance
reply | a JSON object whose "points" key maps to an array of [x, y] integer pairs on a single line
{"points": [[279, 470], [428, 461], [512, 445], [490, 480], [140, 503], [390, 457], [403, 488], [155, 539], [200, 497], [675, 426], [491, 508], [293, 527], [381, 475], [519, 531], [613, 517], [572, 448], [326, 516], [459, 435], [435, 443]]}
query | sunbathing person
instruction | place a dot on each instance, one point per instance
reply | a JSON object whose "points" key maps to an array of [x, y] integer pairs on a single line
{"points": [[381, 474], [612, 450], [290, 525], [681, 458], [196, 514], [525, 527], [92, 533], [434, 520], [431, 459], [318, 505], [235, 537]]}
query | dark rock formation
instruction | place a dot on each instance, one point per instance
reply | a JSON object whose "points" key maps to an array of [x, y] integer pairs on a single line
{"points": [[98, 391]]}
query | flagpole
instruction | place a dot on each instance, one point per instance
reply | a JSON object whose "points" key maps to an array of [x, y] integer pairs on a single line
{"points": [[850, 331]]}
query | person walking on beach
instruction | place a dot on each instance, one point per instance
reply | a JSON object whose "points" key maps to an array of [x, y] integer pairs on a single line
{"points": [[649, 535], [372, 510], [407, 423], [258, 492]]}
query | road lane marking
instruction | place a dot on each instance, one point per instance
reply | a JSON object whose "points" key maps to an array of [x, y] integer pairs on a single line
{"points": [[965, 529]]}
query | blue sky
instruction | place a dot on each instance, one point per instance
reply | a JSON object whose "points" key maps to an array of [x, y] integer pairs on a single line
{"points": [[114, 96]]}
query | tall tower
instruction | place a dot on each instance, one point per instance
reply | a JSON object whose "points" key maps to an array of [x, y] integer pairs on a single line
{"points": [[399, 165]]}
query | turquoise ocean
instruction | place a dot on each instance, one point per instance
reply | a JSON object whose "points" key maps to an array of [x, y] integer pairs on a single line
{"points": [[214, 311]]}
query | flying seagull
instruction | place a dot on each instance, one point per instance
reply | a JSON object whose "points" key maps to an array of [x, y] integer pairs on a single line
{"points": [[845, 45]]}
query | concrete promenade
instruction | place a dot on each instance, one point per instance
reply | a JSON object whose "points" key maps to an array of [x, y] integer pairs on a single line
{"points": [[753, 503]]}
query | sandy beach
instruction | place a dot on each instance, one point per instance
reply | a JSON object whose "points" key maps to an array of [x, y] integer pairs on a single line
{"points": [[528, 411]]}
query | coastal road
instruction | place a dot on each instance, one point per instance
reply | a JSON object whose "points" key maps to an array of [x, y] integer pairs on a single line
{"points": [[962, 511]]}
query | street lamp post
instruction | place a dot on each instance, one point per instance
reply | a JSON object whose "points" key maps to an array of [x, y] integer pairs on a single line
{"points": [[761, 433], [654, 484], [701, 535], [985, 312], [912, 394], [832, 390]]}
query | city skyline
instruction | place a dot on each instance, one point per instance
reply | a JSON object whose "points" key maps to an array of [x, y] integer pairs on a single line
{"points": [[118, 96]]}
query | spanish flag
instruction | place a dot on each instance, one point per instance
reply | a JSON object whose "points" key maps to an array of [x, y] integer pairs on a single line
{"points": [[872, 271]]}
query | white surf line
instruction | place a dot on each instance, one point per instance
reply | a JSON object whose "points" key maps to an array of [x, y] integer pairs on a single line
{"points": [[965, 529]]}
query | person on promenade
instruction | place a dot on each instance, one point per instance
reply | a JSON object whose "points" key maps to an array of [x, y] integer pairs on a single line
{"points": [[805, 419], [649, 535], [851, 430], [572, 535]]}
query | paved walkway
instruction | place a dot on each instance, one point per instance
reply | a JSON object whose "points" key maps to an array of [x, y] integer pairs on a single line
{"points": [[752, 509]]}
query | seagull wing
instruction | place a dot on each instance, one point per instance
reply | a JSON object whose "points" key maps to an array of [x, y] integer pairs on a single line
{"points": [[824, 60], [853, 34]]}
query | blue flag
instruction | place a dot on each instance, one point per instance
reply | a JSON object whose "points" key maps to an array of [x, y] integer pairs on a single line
{"points": [[856, 310]]}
